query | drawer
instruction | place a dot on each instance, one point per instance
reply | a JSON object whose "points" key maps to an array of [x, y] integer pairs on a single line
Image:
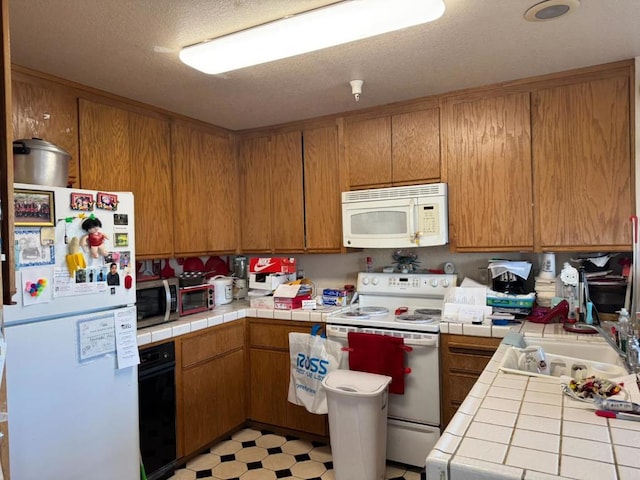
{"points": [[467, 362], [212, 342], [269, 334]]}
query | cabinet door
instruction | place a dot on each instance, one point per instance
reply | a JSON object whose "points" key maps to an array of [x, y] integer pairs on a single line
{"points": [[269, 388], [367, 146], [192, 222], [150, 154], [322, 195], [104, 147], [269, 392], [47, 112], [583, 165], [213, 400], [488, 156], [231, 407], [221, 192], [270, 373], [415, 146], [256, 194], [287, 198], [212, 396], [462, 360]]}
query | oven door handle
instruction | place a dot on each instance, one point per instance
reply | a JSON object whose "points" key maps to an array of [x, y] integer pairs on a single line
{"points": [[431, 341]]}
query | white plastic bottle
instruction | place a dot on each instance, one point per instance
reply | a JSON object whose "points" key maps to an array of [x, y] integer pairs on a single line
{"points": [[624, 330]]}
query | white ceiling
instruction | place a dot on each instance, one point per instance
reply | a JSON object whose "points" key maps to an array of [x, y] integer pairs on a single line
{"points": [[130, 48]]}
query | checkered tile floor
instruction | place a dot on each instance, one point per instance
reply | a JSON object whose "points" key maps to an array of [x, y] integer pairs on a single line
{"points": [[254, 455]]}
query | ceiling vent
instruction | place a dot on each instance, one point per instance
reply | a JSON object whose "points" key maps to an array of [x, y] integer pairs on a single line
{"points": [[550, 9]]}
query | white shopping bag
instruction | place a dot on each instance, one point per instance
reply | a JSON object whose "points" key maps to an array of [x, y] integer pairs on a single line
{"points": [[312, 358]]}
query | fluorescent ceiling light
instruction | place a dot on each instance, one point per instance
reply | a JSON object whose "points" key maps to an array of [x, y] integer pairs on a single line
{"points": [[324, 27]]}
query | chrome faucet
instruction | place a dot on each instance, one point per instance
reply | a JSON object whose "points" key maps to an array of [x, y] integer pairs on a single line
{"points": [[633, 351]]}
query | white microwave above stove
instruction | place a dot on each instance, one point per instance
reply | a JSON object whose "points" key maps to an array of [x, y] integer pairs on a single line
{"points": [[395, 217]]}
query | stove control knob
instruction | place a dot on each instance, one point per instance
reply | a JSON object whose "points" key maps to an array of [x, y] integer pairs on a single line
{"points": [[445, 283], [434, 282], [365, 280], [375, 281]]}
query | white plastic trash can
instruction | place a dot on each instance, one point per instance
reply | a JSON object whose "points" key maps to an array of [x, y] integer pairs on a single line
{"points": [[357, 404]]}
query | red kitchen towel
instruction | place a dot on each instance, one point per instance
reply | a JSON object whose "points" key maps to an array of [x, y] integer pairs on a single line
{"points": [[379, 354]]}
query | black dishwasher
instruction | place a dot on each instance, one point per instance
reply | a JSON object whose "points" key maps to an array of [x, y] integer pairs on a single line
{"points": [[157, 410]]}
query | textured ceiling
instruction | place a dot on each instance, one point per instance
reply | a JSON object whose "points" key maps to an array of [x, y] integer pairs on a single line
{"points": [[130, 48]]}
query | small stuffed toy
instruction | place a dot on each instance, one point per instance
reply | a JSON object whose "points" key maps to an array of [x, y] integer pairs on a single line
{"points": [[94, 237], [75, 258]]}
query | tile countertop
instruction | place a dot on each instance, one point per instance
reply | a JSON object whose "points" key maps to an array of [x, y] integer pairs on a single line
{"points": [[519, 427], [223, 314]]}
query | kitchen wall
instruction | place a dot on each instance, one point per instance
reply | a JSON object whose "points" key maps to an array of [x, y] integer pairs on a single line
{"points": [[340, 269]]}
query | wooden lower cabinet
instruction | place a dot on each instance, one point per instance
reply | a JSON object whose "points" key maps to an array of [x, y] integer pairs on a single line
{"points": [[211, 386], [270, 367], [462, 360]]}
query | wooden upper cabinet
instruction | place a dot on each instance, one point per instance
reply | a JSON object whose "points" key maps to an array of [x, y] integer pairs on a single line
{"points": [[104, 147], [415, 146], [221, 191], [272, 193], [399, 149], [125, 151], [488, 156], [287, 197], [150, 172], [190, 221], [204, 201], [47, 112], [255, 178], [322, 192], [584, 171], [367, 145]]}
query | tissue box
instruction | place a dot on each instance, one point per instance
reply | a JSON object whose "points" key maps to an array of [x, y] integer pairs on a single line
{"points": [[272, 265]]}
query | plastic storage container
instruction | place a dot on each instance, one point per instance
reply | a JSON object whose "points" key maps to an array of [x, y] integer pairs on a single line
{"points": [[357, 404]]}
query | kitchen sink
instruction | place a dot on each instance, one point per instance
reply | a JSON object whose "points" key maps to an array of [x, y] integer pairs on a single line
{"points": [[587, 350], [577, 359]]}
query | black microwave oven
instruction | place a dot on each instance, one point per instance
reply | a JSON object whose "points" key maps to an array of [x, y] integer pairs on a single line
{"points": [[157, 302]]}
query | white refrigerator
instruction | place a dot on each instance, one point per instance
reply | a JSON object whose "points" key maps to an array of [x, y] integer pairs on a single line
{"points": [[71, 352]]}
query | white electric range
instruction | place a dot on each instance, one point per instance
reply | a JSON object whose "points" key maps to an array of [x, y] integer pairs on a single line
{"points": [[403, 301], [406, 306]]}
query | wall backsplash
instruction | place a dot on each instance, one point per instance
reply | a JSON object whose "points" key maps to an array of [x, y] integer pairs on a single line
{"points": [[337, 270], [340, 269]]}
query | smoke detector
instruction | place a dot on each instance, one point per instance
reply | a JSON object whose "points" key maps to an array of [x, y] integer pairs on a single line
{"points": [[356, 88], [550, 9]]}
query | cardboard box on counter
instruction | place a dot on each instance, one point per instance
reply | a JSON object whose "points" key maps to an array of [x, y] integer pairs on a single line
{"points": [[261, 302], [289, 297], [269, 281]]}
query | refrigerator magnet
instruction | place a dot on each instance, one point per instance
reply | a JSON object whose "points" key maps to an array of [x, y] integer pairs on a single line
{"points": [[81, 201], [36, 286], [107, 201], [121, 239]]}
